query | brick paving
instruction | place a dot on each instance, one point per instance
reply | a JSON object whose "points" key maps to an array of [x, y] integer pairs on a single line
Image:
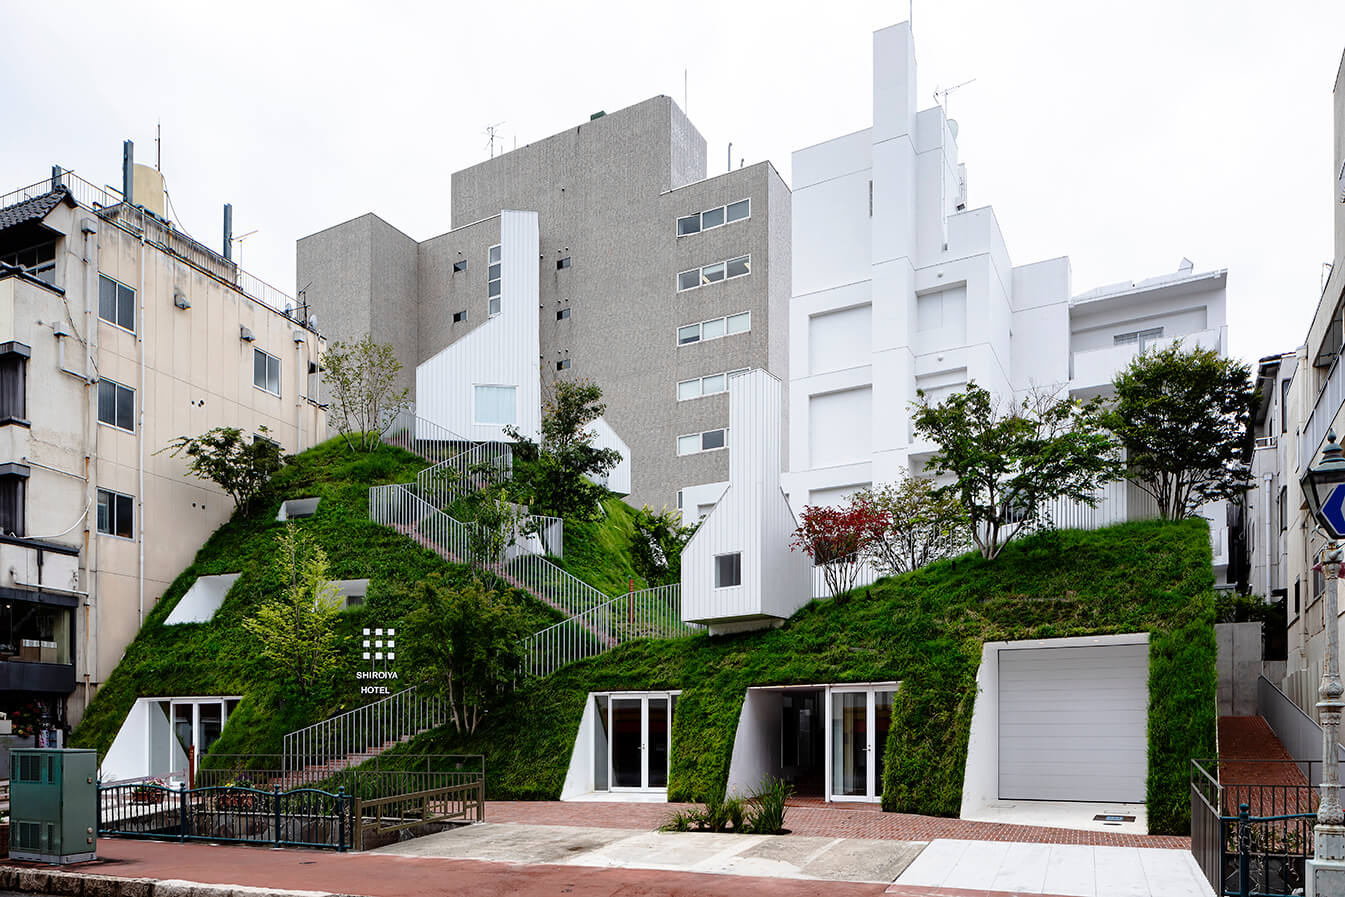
{"points": [[1252, 758], [806, 817]]}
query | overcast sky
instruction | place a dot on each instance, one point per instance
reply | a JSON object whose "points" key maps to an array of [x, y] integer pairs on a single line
{"points": [[1125, 135]]}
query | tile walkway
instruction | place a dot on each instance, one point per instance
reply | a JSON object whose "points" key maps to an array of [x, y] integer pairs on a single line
{"points": [[1250, 756], [837, 821]]}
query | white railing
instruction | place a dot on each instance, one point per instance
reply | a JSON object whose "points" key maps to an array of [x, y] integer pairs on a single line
{"points": [[649, 613], [357, 735], [1324, 411], [432, 442], [866, 575], [465, 472]]}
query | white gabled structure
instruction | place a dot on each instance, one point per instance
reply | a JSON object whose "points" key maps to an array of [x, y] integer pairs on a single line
{"points": [[738, 571]]}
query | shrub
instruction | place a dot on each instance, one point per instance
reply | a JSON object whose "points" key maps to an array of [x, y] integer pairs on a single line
{"points": [[766, 807]]}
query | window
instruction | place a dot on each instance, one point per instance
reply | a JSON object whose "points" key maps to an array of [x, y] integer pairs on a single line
{"points": [[459, 266], [1143, 338], [12, 488], [493, 279], [728, 570], [1284, 508], [115, 514], [1284, 405], [698, 277], [494, 405], [708, 441], [705, 386], [563, 364], [35, 633], [562, 314], [459, 316], [116, 405], [39, 260], [116, 303], [13, 382], [266, 372], [716, 217], [562, 264], [714, 328]]}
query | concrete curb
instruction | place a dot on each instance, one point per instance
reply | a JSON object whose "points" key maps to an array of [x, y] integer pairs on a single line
{"points": [[79, 884]]}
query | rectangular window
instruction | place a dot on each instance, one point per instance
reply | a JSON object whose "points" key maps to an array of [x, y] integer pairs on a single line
{"points": [[712, 218], [708, 274], [714, 328], [739, 323], [739, 267], [459, 316], [688, 389], [494, 405], [739, 210], [562, 314], [713, 439], [13, 387], [459, 266], [728, 570], [12, 488], [688, 334], [1284, 508], [691, 224], [38, 261], [712, 273], [564, 263], [563, 364], [709, 385], [1142, 337], [708, 441], [266, 372], [115, 514], [116, 405], [493, 280], [1284, 405], [116, 303], [688, 280]]}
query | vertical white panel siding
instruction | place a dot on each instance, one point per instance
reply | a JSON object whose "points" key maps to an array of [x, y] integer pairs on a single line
{"points": [[839, 339], [618, 478], [841, 427], [501, 352], [128, 758], [751, 518]]}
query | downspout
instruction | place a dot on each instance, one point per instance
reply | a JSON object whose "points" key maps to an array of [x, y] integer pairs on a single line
{"points": [[140, 438], [91, 615], [299, 387], [1265, 596]]}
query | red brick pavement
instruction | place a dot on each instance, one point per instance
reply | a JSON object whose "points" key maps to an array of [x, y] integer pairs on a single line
{"points": [[836, 821], [1251, 757]]}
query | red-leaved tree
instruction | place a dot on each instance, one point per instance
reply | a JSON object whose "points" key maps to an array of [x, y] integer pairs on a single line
{"points": [[836, 538]]}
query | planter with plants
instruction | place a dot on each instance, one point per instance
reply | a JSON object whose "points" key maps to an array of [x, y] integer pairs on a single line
{"points": [[760, 813], [150, 791]]}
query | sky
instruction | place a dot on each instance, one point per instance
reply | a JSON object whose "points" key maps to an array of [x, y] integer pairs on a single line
{"points": [[1125, 136]]}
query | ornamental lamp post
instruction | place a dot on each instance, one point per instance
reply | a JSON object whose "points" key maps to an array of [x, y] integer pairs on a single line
{"points": [[1324, 488]]}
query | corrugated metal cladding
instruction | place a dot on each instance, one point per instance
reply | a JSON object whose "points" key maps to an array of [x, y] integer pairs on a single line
{"points": [[618, 479], [1073, 723], [501, 352], [752, 518]]}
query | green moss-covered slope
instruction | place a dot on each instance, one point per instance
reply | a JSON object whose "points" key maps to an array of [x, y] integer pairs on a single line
{"points": [[925, 629], [221, 658], [598, 551]]}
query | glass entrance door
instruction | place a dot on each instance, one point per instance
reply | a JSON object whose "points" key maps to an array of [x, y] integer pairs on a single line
{"points": [[639, 734], [860, 719]]}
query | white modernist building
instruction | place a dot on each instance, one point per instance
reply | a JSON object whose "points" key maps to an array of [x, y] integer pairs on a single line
{"points": [[899, 287]]}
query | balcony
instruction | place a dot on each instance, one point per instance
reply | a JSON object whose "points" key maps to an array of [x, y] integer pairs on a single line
{"points": [[1092, 370], [1324, 411]]}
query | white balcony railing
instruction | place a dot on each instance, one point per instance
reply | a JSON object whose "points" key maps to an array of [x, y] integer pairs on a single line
{"points": [[1097, 367], [1324, 412]]}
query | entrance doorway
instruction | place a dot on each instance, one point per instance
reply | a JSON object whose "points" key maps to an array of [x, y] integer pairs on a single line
{"points": [[632, 737], [861, 717]]}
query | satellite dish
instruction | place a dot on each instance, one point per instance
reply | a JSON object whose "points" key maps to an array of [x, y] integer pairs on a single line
{"points": [[312, 322]]}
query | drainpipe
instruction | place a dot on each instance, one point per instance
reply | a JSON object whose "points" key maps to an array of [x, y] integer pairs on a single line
{"points": [[92, 615], [1268, 478], [140, 436], [299, 388]]}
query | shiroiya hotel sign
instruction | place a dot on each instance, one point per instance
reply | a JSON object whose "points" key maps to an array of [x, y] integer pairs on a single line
{"points": [[379, 647]]}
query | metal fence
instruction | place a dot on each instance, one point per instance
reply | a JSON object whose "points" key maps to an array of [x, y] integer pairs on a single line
{"points": [[649, 613], [444, 483], [419, 436], [357, 735], [301, 817], [384, 819], [379, 777]]}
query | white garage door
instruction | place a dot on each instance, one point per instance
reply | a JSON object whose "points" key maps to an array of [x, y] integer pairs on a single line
{"points": [[1073, 723]]}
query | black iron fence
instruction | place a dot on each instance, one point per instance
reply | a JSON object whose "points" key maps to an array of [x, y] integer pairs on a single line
{"points": [[379, 777], [1246, 855]]}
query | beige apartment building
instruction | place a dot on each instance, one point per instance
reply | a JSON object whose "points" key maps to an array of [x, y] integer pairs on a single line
{"points": [[119, 333]]}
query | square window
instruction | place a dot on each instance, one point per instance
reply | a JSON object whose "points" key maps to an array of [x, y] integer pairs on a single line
{"points": [[712, 384], [493, 306], [564, 263], [459, 266], [495, 405], [116, 405], [266, 372], [739, 267], [689, 445], [712, 329], [691, 224], [712, 273], [739, 210], [688, 389], [493, 272], [688, 334], [728, 570], [562, 314], [494, 255], [712, 218], [563, 364], [493, 289], [459, 317], [740, 323], [712, 439], [115, 514], [688, 280]]}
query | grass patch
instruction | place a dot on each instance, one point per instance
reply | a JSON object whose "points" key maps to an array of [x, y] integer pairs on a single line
{"points": [[598, 551], [925, 629]]}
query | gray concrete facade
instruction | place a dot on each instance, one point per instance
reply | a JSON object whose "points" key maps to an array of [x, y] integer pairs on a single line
{"points": [[608, 194]]}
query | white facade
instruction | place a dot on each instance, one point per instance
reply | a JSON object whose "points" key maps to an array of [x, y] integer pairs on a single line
{"points": [[161, 734], [738, 570], [899, 288]]}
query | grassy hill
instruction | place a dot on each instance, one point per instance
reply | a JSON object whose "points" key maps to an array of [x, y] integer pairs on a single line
{"points": [[924, 629]]}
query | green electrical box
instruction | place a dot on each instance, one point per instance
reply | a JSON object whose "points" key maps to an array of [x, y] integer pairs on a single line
{"points": [[53, 804]]}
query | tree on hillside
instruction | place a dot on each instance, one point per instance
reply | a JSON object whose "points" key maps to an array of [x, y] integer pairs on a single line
{"points": [[365, 399], [1008, 463], [494, 521], [837, 538], [925, 524], [657, 543], [296, 625], [555, 477], [467, 643], [225, 457], [1184, 419]]}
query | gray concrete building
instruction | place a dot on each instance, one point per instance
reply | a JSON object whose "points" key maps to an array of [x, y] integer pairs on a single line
{"points": [[651, 280]]}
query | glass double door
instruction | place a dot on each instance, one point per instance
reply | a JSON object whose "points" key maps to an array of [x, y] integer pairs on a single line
{"points": [[641, 727], [859, 722]]}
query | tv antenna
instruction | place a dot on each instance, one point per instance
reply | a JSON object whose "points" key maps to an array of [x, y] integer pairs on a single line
{"points": [[492, 134], [238, 254], [941, 94]]}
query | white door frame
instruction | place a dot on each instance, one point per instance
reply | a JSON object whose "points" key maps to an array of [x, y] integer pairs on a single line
{"points": [[873, 788], [643, 697]]}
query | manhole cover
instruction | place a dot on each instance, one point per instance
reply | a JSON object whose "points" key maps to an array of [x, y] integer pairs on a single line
{"points": [[1113, 820]]}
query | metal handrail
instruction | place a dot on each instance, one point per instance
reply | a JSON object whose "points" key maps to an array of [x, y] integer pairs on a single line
{"points": [[356, 735], [648, 613]]}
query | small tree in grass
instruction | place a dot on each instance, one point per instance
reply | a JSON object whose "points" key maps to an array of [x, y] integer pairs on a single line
{"points": [[657, 543], [493, 521], [365, 398], [836, 538], [296, 626], [555, 476], [236, 464], [1008, 463], [468, 643], [1184, 420], [925, 524]]}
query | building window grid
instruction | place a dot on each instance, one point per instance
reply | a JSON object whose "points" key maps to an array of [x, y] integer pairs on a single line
{"points": [[116, 514], [1144, 338], [705, 441], [493, 280], [116, 303], [116, 405], [716, 217], [266, 372], [715, 328], [709, 385], [719, 271], [39, 261]]}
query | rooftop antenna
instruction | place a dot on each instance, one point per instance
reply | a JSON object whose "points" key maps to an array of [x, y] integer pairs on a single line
{"points": [[493, 132], [158, 145], [941, 94], [239, 240]]}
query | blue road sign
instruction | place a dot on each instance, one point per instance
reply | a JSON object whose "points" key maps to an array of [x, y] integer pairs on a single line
{"points": [[1333, 510]]}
